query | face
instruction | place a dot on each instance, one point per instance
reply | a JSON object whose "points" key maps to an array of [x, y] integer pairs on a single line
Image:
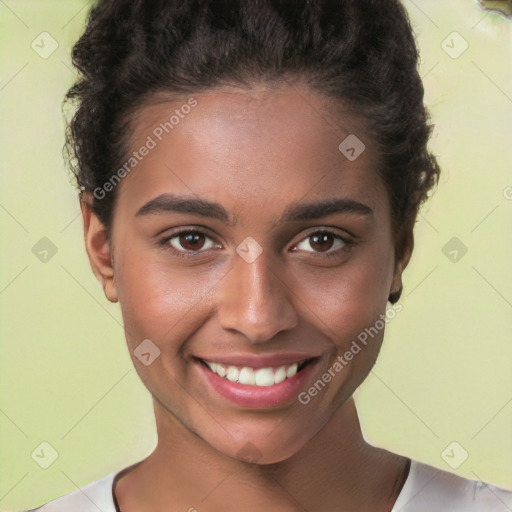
{"points": [[246, 244]]}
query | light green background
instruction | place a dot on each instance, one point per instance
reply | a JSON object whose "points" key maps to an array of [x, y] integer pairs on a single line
{"points": [[445, 370]]}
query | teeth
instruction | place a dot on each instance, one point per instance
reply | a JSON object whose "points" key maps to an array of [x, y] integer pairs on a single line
{"points": [[232, 373], [247, 376], [280, 374], [264, 377], [291, 370], [212, 366], [254, 377]]}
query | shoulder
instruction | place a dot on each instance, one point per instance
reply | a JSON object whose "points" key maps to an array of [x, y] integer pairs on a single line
{"points": [[428, 488], [90, 498]]}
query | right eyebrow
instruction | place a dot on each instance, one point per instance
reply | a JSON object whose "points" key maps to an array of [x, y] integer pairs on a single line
{"points": [[184, 204]]}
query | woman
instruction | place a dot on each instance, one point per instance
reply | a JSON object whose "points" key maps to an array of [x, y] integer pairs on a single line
{"points": [[250, 175]]}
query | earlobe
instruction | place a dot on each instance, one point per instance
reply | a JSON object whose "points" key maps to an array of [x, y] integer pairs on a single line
{"points": [[98, 248], [395, 296], [110, 290]]}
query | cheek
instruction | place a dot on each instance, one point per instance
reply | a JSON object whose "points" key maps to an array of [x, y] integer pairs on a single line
{"points": [[161, 302], [351, 311], [168, 303], [353, 296]]}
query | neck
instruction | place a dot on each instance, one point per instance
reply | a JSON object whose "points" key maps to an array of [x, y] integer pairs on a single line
{"points": [[335, 470]]}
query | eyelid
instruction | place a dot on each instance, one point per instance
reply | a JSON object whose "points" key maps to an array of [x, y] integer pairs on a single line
{"points": [[170, 232], [336, 232]]}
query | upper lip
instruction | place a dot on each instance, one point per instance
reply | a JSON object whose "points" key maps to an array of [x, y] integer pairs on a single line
{"points": [[258, 361]]}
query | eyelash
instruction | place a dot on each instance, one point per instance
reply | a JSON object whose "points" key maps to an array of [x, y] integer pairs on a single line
{"points": [[347, 243]]}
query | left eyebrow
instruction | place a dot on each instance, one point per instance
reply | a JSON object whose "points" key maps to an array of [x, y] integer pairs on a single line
{"points": [[317, 210], [293, 213]]}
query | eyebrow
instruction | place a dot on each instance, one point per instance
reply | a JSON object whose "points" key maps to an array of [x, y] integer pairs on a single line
{"points": [[295, 212]]}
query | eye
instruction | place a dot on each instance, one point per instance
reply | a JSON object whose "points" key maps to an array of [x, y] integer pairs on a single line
{"points": [[188, 243], [193, 242], [324, 243]]}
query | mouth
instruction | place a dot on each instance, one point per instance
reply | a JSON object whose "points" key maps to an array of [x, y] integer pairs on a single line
{"points": [[250, 376], [256, 383]]}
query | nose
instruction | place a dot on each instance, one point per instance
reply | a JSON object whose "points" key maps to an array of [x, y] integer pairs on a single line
{"points": [[254, 301]]}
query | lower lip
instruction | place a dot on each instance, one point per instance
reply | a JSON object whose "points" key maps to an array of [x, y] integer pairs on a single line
{"points": [[261, 397]]}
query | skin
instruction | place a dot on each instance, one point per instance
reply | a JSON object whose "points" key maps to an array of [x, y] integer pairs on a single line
{"points": [[255, 153]]}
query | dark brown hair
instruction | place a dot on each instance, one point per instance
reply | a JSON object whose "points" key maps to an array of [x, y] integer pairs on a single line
{"points": [[360, 52]]}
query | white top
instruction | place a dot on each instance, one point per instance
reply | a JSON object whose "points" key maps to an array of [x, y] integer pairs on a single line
{"points": [[426, 489]]}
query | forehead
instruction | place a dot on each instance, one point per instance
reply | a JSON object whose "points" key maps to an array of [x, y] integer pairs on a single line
{"points": [[252, 149]]}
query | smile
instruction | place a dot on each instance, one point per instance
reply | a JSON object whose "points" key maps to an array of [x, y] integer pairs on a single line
{"points": [[248, 376], [256, 381]]}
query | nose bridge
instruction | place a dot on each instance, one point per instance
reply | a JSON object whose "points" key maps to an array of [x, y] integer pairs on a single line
{"points": [[254, 301]]}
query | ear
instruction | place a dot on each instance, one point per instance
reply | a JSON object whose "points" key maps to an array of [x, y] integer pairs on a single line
{"points": [[98, 248], [403, 252]]}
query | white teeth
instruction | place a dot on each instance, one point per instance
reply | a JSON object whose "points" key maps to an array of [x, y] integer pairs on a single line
{"points": [[221, 370], [232, 373], [280, 374], [264, 377], [247, 376], [291, 370], [268, 376], [212, 366]]}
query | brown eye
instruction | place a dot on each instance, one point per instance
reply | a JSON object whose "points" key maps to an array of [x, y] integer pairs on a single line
{"points": [[323, 242], [192, 241], [189, 242]]}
